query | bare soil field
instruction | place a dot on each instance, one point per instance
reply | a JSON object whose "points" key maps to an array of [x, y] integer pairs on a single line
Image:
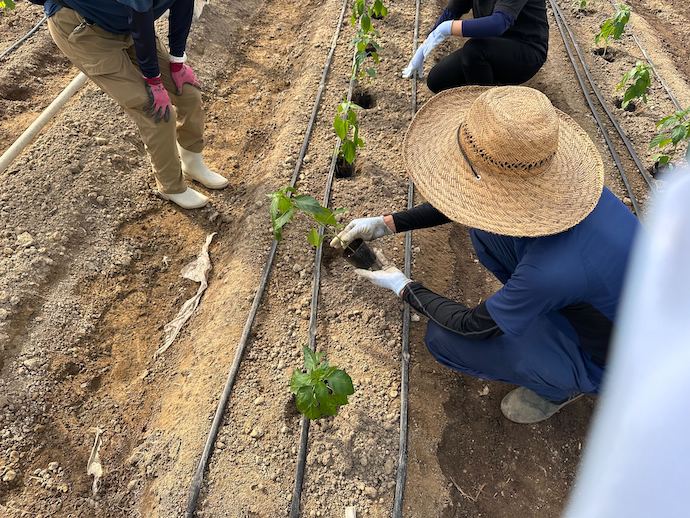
{"points": [[90, 263]]}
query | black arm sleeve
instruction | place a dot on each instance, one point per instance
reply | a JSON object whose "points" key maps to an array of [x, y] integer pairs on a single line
{"points": [[180, 21], [475, 323], [144, 36], [421, 216]]}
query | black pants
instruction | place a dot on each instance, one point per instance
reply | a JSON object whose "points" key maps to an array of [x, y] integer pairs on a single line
{"points": [[487, 61]]}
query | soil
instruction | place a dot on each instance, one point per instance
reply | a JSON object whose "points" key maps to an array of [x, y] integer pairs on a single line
{"points": [[91, 261]]}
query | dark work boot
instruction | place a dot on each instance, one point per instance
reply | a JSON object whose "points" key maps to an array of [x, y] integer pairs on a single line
{"points": [[524, 406]]}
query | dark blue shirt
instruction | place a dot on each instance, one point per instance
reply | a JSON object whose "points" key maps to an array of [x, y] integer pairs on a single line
{"points": [[578, 273]]}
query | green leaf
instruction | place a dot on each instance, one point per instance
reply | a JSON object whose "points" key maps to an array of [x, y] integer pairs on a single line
{"points": [[307, 204], [298, 380], [340, 127], [307, 403], [327, 404], [678, 134], [661, 140], [365, 22], [340, 383], [311, 360], [314, 238], [349, 151]]}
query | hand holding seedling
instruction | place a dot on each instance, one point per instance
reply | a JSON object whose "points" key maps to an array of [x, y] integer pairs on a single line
{"points": [[389, 277], [366, 229]]}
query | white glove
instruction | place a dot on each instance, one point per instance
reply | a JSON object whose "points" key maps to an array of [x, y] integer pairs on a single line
{"points": [[416, 65], [388, 277], [437, 36], [366, 229]]}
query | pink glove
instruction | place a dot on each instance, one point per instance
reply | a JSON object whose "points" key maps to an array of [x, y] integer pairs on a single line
{"points": [[183, 75], [159, 100]]}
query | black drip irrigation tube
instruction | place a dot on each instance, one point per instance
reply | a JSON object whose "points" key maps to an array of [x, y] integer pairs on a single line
{"points": [[21, 40], [671, 96], [198, 478], [626, 141], [401, 475], [595, 113]]}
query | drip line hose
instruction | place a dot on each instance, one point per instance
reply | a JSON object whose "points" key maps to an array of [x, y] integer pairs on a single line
{"points": [[296, 504], [198, 478], [401, 475], [23, 38], [671, 96], [597, 118], [626, 141]]}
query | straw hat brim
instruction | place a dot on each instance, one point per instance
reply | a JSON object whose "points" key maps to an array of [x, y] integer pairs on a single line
{"points": [[505, 204]]}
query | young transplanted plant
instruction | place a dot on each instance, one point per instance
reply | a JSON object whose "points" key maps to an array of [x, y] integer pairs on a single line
{"points": [[6, 5], [674, 130], [346, 126], [320, 389], [614, 27], [287, 202], [638, 81]]}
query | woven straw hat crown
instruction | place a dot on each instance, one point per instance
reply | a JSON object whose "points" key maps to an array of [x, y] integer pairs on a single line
{"points": [[503, 160], [511, 131]]}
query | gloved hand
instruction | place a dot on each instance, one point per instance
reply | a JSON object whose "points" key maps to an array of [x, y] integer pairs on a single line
{"points": [[366, 229], [159, 100], [437, 36], [388, 277], [183, 75]]}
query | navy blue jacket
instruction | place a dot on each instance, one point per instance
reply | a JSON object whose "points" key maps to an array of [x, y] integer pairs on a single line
{"points": [[136, 17]]}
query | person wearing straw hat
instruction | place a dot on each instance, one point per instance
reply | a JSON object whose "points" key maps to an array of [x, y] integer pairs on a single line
{"points": [[508, 44], [528, 181]]}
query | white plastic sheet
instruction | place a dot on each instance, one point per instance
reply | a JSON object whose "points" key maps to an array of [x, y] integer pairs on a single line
{"points": [[196, 271], [636, 462]]}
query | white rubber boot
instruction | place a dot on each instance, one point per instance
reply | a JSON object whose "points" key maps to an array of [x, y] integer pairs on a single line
{"points": [[193, 167], [189, 199]]}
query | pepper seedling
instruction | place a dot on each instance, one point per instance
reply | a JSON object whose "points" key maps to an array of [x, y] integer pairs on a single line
{"points": [[287, 202], [377, 10], [674, 130], [346, 127], [640, 80], [7, 5], [614, 27], [320, 389], [365, 47]]}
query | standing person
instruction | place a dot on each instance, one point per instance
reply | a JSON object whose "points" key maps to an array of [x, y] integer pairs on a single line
{"points": [[508, 43], [114, 43], [529, 182]]}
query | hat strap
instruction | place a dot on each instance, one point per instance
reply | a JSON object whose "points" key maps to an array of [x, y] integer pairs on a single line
{"points": [[464, 154]]}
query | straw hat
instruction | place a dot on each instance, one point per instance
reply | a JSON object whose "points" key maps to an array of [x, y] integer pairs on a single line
{"points": [[503, 160]]}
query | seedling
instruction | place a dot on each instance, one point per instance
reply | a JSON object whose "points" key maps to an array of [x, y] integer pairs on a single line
{"points": [[346, 128], [638, 80], [674, 130], [365, 47], [287, 202], [360, 14], [320, 389], [614, 27], [378, 11], [581, 5], [6, 5]]}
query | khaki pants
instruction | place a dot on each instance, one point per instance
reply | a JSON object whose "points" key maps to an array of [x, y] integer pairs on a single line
{"points": [[109, 61]]}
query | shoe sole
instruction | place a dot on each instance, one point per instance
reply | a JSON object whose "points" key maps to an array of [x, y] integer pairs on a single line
{"points": [[165, 197], [192, 179]]}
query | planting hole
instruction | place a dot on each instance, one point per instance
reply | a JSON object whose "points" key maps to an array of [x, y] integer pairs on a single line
{"points": [[343, 169], [608, 54], [631, 107], [364, 99]]}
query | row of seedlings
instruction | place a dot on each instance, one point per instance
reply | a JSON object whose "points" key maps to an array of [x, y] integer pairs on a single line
{"points": [[673, 129]]}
